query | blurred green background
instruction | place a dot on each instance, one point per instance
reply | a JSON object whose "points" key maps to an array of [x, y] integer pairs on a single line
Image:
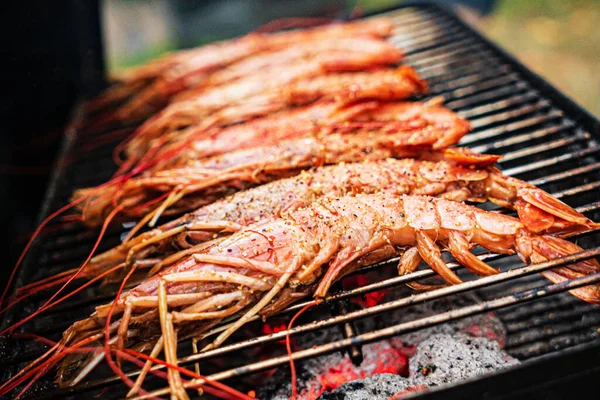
{"points": [[559, 39]]}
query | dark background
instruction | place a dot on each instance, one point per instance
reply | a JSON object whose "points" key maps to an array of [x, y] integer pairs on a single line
{"points": [[46, 47]]}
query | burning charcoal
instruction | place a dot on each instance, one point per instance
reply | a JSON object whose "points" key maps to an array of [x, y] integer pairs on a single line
{"points": [[442, 358], [439, 359], [324, 375], [377, 387], [485, 326], [317, 376]]}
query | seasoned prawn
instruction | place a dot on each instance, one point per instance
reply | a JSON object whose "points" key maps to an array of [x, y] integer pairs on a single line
{"points": [[270, 264], [203, 181], [174, 72], [397, 84], [454, 174], [276, 62], [194, 143], [414, 125]]}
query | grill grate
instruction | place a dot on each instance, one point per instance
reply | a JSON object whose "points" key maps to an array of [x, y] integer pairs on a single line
{"points": [[543, 137]]}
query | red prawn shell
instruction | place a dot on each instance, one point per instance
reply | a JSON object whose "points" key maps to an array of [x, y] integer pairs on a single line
{"points": [[445, 172], [421, 213]]}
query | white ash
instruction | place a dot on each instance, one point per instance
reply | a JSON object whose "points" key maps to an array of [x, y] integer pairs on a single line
{"points": [[443, 359], [438, 360], [381, 386]]}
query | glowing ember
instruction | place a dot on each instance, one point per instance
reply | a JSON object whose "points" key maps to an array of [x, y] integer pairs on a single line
{"points": [[369, 299], [386, 360], [268, 329], [412, 389], [486, 330]]}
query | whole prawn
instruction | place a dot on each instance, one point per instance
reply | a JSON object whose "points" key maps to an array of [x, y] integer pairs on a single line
{"points": [[396, 84], [163, 78], [273, 262], [275, 62], [203, 181], [411, 126], [189, 145], [454, 174]]}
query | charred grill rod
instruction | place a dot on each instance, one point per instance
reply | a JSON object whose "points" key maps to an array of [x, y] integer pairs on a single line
{"points": [[517, 298], [348, 331], [513, 299]]}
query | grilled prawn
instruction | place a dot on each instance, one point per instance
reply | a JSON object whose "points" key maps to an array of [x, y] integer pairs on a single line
{"points": [[202, 181], [397, 84], [187, 145], [270, 264], [453, 174], [163, 78], [276, 62], [411, 126]]}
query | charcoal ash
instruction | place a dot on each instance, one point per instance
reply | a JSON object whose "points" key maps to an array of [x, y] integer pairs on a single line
{"points": [[438, 360], [376, 387], [442, 358], [316, 376]]}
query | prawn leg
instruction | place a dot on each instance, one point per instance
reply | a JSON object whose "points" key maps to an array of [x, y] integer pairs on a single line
{"points": [[155, 239], [459, 248], [158, 346], [251, 313], [196, 364], [122, 331], [408, 264], [209, 315], [291, 268], [179, 255], [170, 343], [431, 254], [222, 226], [409, 261]]}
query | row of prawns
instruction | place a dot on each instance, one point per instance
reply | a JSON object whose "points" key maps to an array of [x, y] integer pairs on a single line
{"points": [[297, 161]]}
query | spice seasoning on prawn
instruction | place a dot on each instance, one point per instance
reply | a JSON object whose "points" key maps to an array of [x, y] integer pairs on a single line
{"points": [[314, 262], [286, 195]]}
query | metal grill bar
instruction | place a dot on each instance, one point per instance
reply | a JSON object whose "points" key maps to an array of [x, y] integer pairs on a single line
{"points": [[346, 318], [395, 330], [501, 130]]}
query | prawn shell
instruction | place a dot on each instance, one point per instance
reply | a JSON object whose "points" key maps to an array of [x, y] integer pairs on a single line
{"points": [[465, 156], [497, 223], [421, 213], [444, 172], [453, 216]]}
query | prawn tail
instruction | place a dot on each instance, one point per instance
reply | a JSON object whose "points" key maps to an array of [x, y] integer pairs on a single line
{"points": [[538, 249]]}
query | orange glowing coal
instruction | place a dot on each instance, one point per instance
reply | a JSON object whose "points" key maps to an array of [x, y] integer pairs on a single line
{"points": [[389, 361], [268, 329], [369, 299]]}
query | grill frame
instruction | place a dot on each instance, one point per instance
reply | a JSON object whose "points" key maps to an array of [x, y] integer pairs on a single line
{"points": [[551, 98]]}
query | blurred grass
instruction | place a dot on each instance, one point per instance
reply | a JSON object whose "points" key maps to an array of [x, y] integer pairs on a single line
{"points": [[119, 64], [558, 39]]}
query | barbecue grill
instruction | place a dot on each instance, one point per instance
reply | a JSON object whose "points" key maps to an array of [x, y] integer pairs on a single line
{"points": [[545, 139]]}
